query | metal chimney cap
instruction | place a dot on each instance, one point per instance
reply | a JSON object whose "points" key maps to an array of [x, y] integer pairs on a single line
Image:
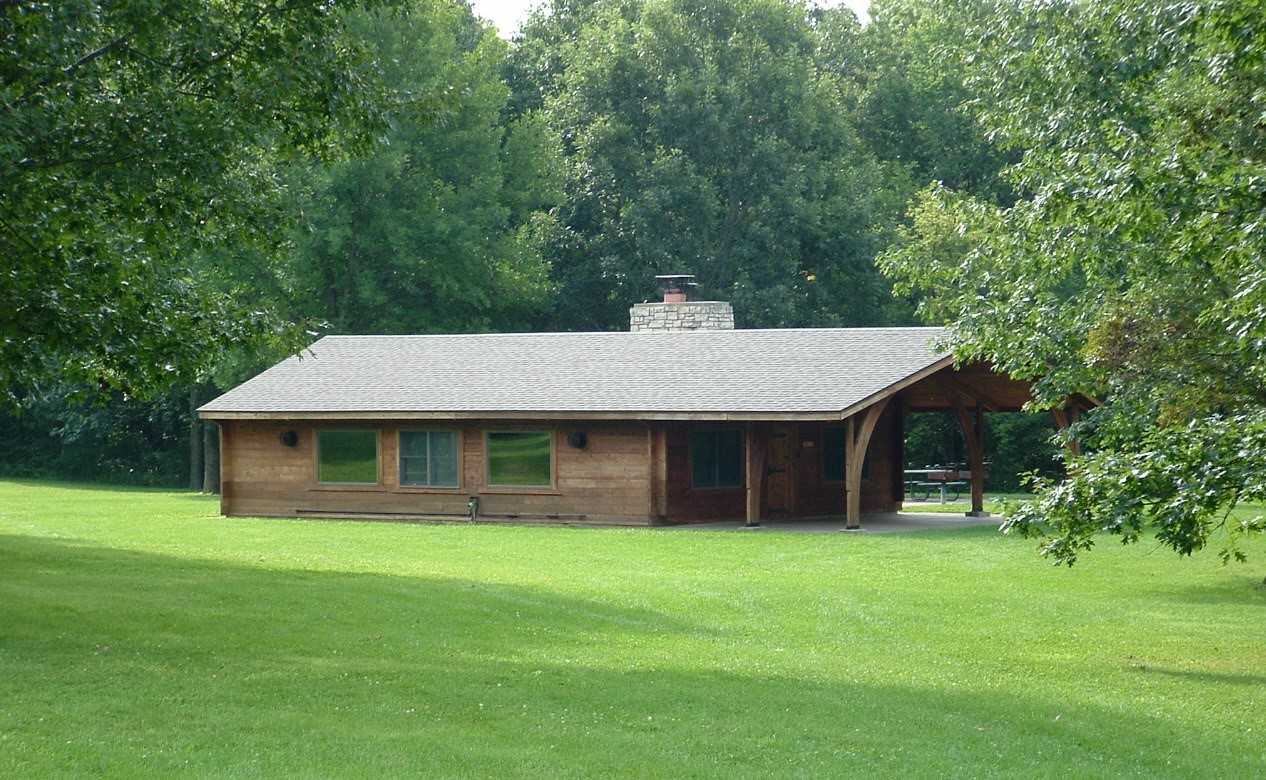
{"points": [[675, 286]]}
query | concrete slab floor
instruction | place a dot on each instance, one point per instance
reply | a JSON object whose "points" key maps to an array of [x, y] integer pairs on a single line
{"points": [[901, 522]]}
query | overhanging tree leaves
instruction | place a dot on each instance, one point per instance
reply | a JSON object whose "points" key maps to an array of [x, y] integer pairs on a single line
{"points": [[1134, 269], [131, 134]]}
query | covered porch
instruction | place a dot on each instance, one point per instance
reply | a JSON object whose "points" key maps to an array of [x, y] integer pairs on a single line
{"points": [[873, 431]]}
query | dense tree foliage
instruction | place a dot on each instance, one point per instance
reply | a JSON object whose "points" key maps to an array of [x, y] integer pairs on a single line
{"points": [[917, 114], [101, 437], [440, 227], [914, 108], [132, 133], [1132, 269], [704, 138], [151, 212]]}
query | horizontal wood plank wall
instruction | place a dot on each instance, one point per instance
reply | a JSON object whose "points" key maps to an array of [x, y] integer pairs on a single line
{"points": [[260, 475], [606, 481], [473, 462]]}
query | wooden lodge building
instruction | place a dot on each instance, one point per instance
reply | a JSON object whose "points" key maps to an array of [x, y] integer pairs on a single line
{"points": [[682, 419]]}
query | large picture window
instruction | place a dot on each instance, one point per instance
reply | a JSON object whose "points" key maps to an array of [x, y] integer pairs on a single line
{"points": [[347, 457], [428, 459], [521, 458], [716, 459]]}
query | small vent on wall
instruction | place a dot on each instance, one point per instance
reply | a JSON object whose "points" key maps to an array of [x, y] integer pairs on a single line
{"points": [[290, 438]]}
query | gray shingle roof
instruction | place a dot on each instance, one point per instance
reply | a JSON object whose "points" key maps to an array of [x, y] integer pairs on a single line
{"points": [[706, 374]]}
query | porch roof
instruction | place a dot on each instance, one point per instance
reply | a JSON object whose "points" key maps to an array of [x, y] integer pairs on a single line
{"points": [[822, 373]]}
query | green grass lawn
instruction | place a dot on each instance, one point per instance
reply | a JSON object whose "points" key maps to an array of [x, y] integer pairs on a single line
{"points": [[142, 635]]}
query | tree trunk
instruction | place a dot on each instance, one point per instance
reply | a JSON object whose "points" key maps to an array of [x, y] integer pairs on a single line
{"points": [[196, 428], [210, 458]]}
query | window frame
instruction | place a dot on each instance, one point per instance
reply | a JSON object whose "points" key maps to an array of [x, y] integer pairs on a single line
{"points": [[320, 447], [488, 455], [827, 479], [429, 459], [715, 483]]}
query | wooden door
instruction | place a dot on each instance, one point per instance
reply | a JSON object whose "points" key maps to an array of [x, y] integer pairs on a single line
{"points": [[780, 495]]}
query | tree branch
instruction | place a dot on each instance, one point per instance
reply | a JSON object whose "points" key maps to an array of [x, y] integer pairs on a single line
{"points": [[70, 71], [19, 236], [245, 34]]}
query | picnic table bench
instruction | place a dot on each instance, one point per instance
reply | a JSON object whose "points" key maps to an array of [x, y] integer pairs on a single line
{"points": [[944, 480]]}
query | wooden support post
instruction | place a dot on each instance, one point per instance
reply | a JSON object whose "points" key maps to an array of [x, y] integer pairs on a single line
{"points": [[852, 488], [214, 481], [1064, 420], [974, 433], [854, 459], [754, 439], [898, 478], [657, 436]]}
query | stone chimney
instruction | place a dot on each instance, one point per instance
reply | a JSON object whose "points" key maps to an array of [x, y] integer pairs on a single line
{"points": [[678, 312]]}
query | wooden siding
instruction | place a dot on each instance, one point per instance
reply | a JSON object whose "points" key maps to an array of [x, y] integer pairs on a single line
{"points": [[627, 474], [685, 504], [603, 483], [816, 497], [885, 481], [799, 489]]}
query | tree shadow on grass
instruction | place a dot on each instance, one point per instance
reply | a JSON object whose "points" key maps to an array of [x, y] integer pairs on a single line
{"points": [[1245, 590], [1208, 678], [121, 663]]}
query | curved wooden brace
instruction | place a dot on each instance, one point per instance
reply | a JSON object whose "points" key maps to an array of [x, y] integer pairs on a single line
{"points": [[855, 457]]}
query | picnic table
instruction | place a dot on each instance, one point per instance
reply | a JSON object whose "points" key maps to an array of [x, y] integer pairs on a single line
{"points": [[944, 479]]}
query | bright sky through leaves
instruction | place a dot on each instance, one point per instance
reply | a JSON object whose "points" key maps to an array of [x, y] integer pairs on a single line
{"points": [[508, 14]]}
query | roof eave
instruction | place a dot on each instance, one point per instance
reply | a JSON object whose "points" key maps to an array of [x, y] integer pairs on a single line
{"points": [[613, 415], [896, 387]]}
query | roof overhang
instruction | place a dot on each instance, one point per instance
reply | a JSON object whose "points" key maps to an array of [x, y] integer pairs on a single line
{"points": [[897, 387], [743, 416]]}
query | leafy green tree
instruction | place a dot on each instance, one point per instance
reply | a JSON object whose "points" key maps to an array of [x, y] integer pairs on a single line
{"points": [[917, 113], [915, 109], [543, 46], [85, 433], [703, 137], [1133, 269], [132, 134], [439, 229]]}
